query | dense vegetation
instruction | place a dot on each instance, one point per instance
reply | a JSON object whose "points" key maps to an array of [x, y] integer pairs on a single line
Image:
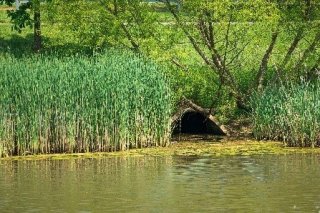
{"points": [[219, 54], [112, 102], [290, 113]]}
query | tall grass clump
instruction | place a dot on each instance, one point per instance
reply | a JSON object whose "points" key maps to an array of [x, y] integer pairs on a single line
{"points": [[290, 113], [113, 102]]}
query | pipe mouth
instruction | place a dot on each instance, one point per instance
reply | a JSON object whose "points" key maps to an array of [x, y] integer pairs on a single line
{"points": [[192, 122]]}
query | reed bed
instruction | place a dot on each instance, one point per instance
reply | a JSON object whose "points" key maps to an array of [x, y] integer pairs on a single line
{"points": [[290, 113], [116, 101]]}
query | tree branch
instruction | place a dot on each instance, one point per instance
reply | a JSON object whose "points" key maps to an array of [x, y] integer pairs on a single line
{"points": [[178, 64], [189, 36], [115, 14], [227, 41], [216, 62], [291, 49], [314, 71], [238, 53], [207, 33], [298, 37], [308, 52], [264, 63]]}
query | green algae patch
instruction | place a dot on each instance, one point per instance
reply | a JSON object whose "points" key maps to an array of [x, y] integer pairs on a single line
{"points": [[194, 148], [228, 148]]}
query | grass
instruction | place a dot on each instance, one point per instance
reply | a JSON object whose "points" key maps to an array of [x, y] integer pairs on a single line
{"points": [[290, 113], [112, 102]]}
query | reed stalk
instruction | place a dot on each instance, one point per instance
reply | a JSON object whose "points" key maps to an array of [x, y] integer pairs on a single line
{"points": [[290, 113], [112, 102]]}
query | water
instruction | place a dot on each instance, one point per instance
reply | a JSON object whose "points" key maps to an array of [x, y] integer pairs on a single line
{"points": [[280, 183]]}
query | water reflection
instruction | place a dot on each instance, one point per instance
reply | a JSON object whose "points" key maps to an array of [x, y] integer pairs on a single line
{"points": [[155, 184]]}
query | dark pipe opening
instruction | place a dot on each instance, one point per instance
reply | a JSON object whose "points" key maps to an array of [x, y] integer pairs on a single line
{"points": [[196, 123]]}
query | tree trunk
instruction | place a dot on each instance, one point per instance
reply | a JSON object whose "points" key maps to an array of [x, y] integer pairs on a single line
{"points": [[37, 44], [312, 47], [291, 49], [264, 63], [314, 72]]}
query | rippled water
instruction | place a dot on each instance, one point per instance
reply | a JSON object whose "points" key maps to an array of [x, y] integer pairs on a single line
{"points": [[163, 184]]}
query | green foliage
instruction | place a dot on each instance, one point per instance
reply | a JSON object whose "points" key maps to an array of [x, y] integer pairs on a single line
{"points": [[240, 11], [298, 11], [7, 2], [104, 23], [20, 18], [115, 101], [290, 113], [242, 31]]}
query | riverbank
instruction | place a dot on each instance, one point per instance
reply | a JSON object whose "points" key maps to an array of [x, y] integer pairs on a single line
{"points": [[223, 147]]}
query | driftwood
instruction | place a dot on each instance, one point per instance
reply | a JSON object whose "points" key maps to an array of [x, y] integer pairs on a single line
{"points": [[189, 106]]}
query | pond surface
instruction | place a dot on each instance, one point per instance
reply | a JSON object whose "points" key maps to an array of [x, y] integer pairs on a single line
{"points": [[280, 183]]}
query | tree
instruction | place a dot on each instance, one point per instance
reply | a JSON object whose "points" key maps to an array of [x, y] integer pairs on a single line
{"points": [[300, 18], [21, 18], [218, 32], [106, 22], [246, 44]]}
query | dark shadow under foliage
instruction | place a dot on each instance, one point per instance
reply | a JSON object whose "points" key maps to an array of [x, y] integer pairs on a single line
{"points": [[196, 123], [20, 46], [17, 45]]}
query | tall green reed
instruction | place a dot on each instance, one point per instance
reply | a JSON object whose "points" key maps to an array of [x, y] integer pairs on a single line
{"points": [[112, 102], [290, 113]]}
